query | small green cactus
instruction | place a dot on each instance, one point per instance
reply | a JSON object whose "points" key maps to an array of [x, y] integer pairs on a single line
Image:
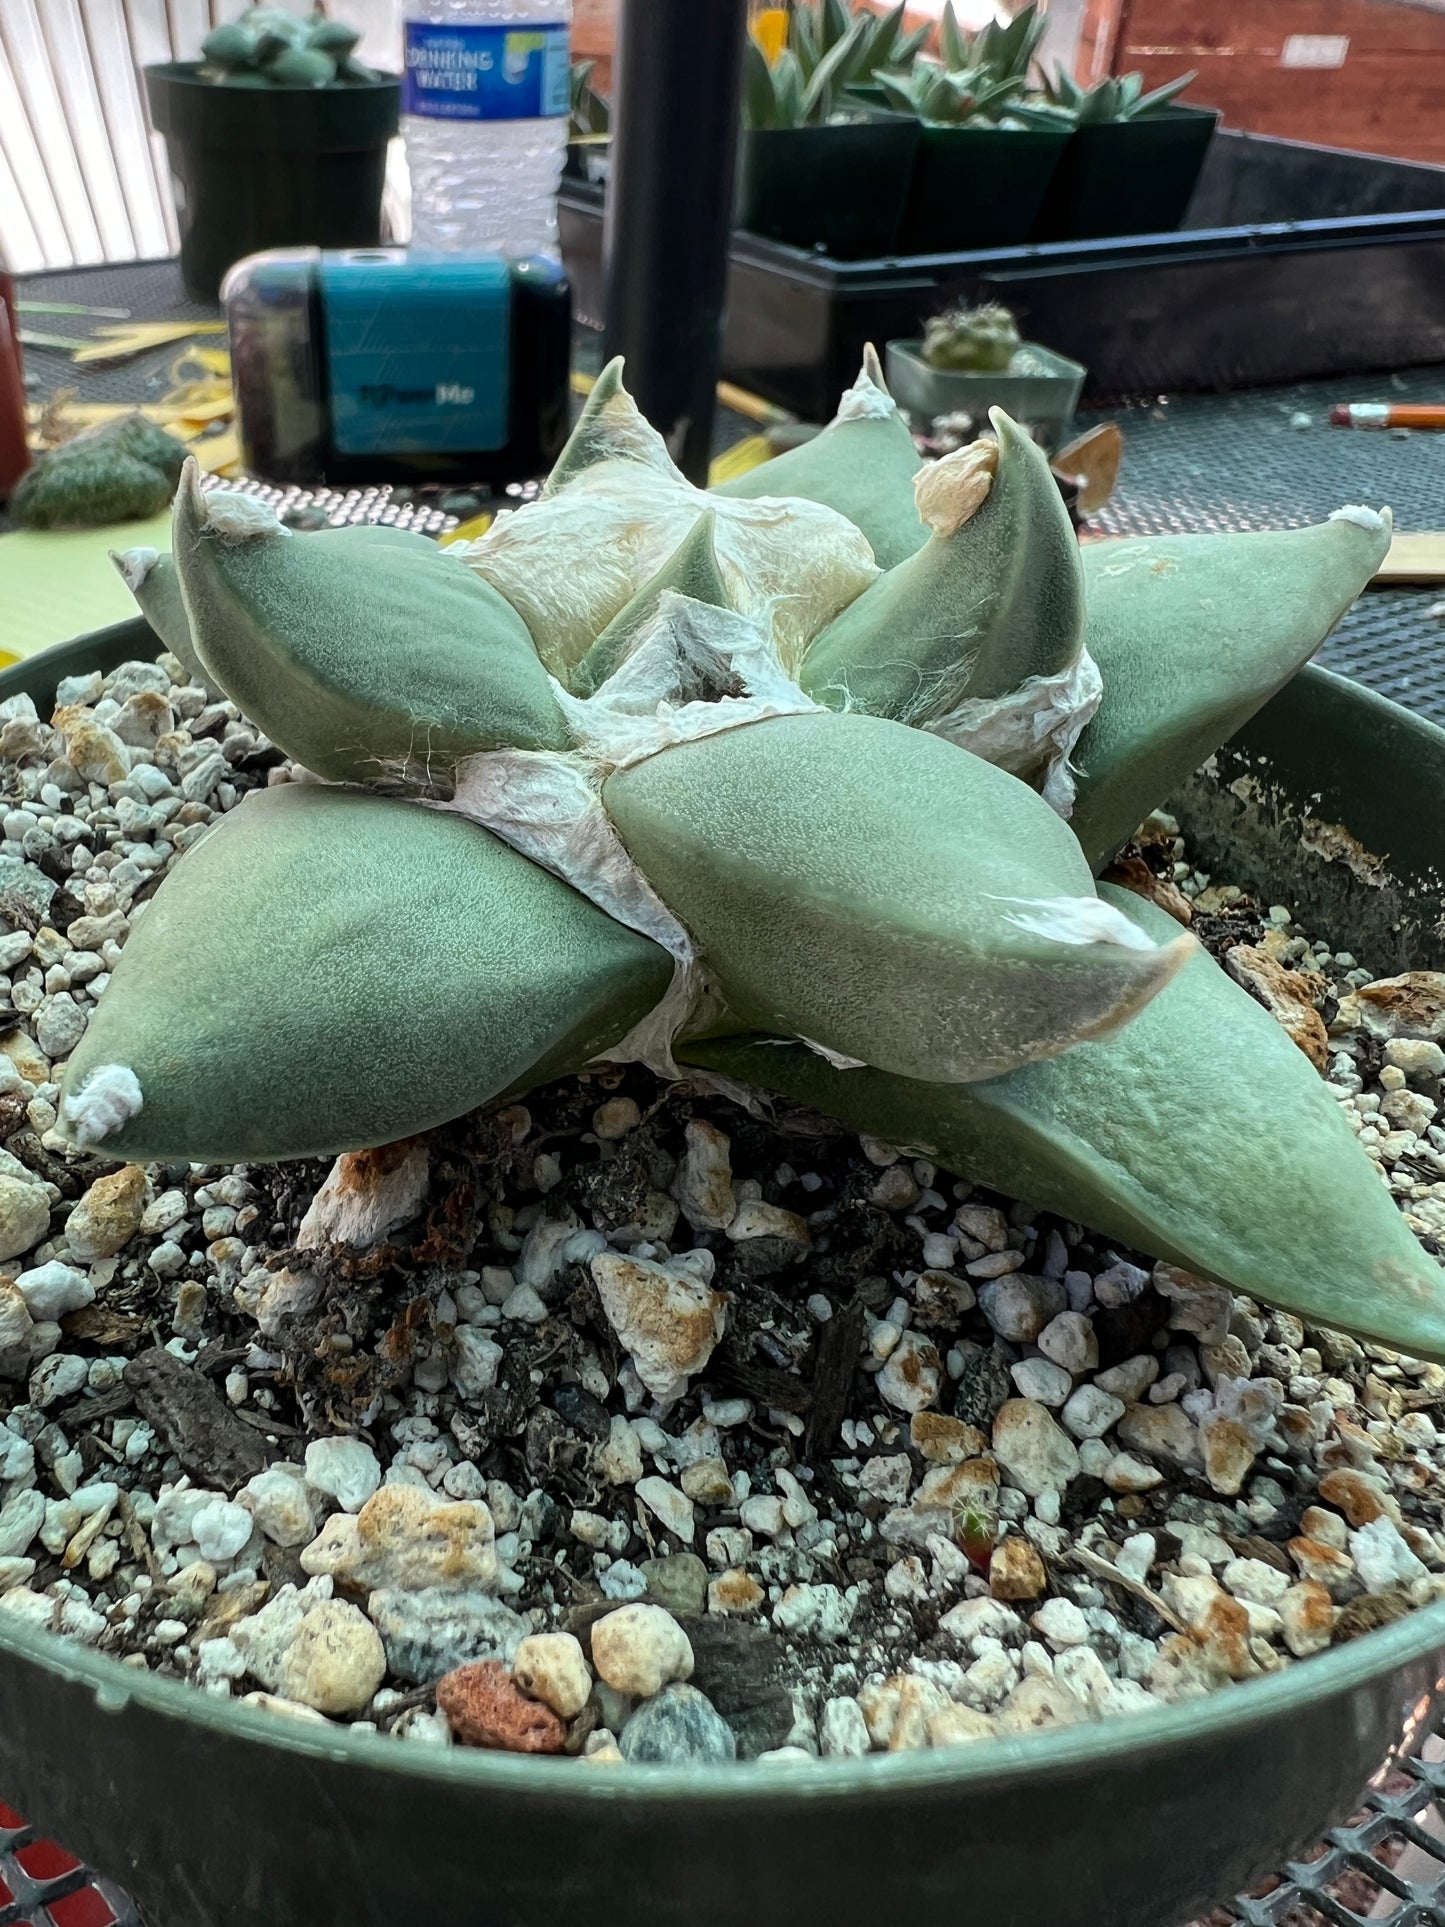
{"points": [[982, 340], [269, 47], [654, 774]]}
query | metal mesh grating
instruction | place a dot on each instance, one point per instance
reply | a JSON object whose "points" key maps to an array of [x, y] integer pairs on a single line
{"points": [[1217, 462], [42, 1886]]}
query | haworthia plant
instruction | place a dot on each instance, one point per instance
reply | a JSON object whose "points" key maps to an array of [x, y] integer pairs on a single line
{"points": [[703, 712]]}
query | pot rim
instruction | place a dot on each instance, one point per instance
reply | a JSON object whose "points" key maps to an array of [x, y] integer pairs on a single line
{"points": [[187, 73], [1229, 1712], [910, 348]]}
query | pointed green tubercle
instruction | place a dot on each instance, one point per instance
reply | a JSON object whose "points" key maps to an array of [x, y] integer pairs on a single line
{"points": [[1200, 1134], [328, 970], [1192, 634], [691, 571], [365, 655], [995, 598], [883, 893], [153, 581], [862, 465], [609, 429]]}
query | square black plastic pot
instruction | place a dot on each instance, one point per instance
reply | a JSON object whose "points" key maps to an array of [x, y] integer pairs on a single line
{"points": [[270, 167], [1127, 177], [978, 187], [839, 188]]}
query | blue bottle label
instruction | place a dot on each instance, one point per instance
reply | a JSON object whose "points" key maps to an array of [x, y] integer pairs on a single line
{"points": [[486, 72]]}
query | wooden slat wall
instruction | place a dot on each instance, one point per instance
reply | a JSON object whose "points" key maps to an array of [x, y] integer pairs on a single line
{"points": [[1387, 98]]}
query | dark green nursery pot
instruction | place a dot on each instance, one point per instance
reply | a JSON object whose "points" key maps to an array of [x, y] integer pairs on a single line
{"points": [[840, 188], [217, 1815], [978, 187], [270, 167], [1127, 177]]}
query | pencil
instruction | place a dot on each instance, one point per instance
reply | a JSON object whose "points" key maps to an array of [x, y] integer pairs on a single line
{"points": [[1383, 414]]}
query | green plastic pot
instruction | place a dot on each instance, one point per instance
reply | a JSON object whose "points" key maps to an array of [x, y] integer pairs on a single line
{"points": [[270, 167], [217, 1815], [978, 187], [1127, 177], [1044, 402], [841, 188]]}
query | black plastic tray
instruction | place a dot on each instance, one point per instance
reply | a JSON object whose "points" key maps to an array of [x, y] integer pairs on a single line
{"points": [[1294, 261]]}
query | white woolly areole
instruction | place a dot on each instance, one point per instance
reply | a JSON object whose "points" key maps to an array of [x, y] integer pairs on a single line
{"points": [[1362, 517], [866, 400], [547, 804], [1031, 729], [570, 563], [110, 1097], [134, 565], [240, 518], [1077, 920]]}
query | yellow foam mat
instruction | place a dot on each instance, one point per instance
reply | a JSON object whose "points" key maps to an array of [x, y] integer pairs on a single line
{"points": [[55, 584]]}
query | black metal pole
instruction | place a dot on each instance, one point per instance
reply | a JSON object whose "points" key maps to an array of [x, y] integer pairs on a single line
{"points": [[669, 209]]}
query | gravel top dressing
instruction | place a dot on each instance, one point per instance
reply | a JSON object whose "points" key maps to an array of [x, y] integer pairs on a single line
{"points": [[632, 1424]]}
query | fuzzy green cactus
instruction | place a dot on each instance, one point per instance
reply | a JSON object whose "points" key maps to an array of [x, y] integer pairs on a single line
{"points": [[118, 472], [982, 340], [269, 47], [686, 779]]}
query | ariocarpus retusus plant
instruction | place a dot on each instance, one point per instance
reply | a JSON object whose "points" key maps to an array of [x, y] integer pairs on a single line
{"points": [[802, 784]]}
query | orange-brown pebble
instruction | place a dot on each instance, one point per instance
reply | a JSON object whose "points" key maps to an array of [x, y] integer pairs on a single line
{"points": [[1361, 1500], [485, 1708], [1016, 1571], [1325, 1565], [734, 1591], [945, 1441]]}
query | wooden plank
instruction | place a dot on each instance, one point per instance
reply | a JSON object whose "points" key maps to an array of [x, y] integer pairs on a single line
{"points": [[1415, 557]]}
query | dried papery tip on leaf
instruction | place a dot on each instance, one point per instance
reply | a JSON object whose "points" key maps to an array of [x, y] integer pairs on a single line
{"points": [[110, 1097], [134, 565], [234, 518], [873, 368], [950, 491]]}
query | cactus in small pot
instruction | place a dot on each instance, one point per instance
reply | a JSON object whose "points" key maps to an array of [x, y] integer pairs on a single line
{"points": [[650, 774], [984, 339]]}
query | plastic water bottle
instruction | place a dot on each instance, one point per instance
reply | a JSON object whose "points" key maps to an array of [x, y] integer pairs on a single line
{"points": [[484, 116]]}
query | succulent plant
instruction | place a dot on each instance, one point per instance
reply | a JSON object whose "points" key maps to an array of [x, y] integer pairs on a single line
{"points": [[654, 774], [1004, 53], [269, 47], [947, 98], [1118, 97], [983, 339], [118, 472], [589, 114], [829, 50]]}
